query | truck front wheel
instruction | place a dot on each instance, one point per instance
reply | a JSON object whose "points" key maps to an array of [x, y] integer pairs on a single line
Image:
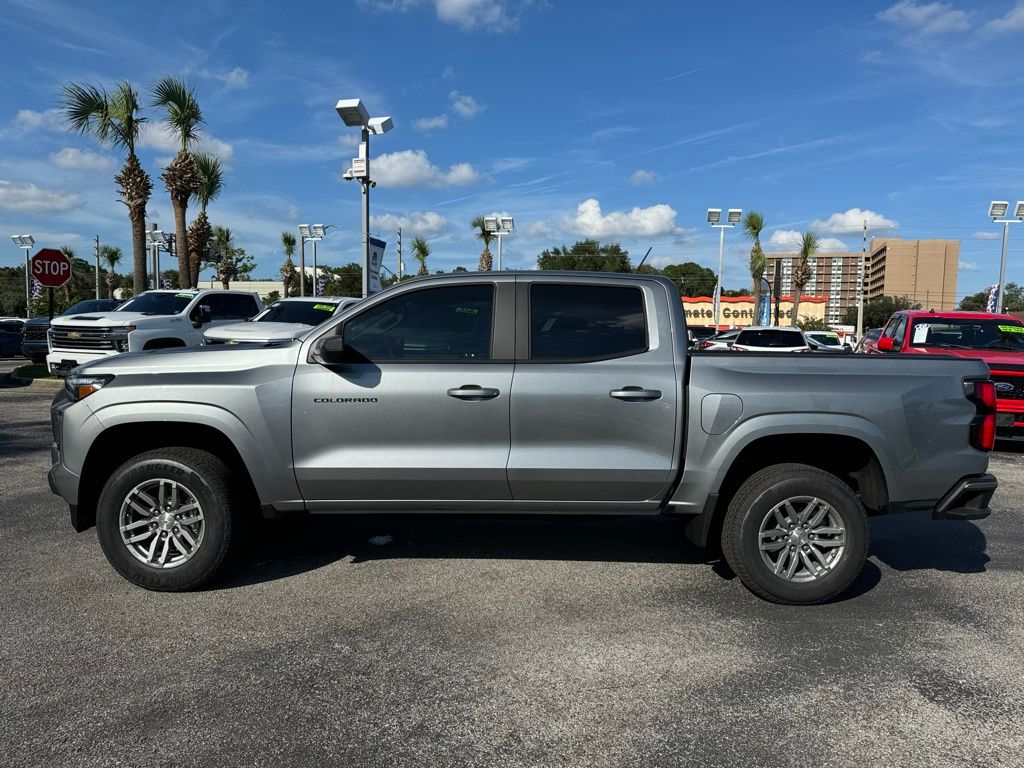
{"points": [[795, 534], [165, 519]]}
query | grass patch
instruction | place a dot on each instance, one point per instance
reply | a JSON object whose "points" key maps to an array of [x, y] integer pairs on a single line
{"points": [[33, 372]]}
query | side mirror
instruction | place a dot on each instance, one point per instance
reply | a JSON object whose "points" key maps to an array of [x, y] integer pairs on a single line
{"points": [[885, 344], [330, 350]]}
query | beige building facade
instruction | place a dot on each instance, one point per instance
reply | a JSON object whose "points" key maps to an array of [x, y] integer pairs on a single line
{"points": [[925, 271], [835, 276]]}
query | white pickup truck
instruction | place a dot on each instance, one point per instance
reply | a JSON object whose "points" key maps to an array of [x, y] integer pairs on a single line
{"points": [[151, 320]]}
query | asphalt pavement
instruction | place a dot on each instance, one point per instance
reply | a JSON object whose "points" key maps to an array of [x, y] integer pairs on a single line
{"points": [[477, 642]]}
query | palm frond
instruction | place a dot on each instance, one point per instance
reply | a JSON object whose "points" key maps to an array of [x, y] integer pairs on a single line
{"points": [[211, 177], [808, 245], [111, 256], [174, 96], [125, 117], [420, 249], [86, 110], [288, 243], [753, 223]]}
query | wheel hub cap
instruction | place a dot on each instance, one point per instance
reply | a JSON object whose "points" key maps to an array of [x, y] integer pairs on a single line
{"points": [[802, 539], [162, 523]]}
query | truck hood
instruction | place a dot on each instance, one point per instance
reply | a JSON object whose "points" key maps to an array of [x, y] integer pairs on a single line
{"points": [[994, 357], [217, 360], [115, 319], [258, 331]]}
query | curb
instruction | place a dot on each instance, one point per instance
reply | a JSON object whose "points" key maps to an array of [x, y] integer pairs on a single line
{"points": [[10, 380]]}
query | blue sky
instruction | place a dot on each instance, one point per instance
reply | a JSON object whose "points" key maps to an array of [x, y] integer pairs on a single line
{"points": [[621, 121]]}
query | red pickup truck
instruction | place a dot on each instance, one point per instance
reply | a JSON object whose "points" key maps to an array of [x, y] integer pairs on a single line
{"points": [[996, 339]]}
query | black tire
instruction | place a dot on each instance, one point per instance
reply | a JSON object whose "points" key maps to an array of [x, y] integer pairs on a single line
{"points": [[202, 475], [752, 503]]}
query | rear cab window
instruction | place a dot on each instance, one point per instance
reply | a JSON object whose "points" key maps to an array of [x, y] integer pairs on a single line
{"points": [[586, 323], [770, 339]]}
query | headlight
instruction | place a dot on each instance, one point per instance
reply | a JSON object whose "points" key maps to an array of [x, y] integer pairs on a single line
{"points": [[79, 386], [120, 337]]}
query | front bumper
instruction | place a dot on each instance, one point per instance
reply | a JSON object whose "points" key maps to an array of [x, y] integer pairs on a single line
{"points": [[61, 361], [63, 482], [967, 500]]}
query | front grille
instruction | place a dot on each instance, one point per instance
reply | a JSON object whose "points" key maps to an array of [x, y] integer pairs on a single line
{"points": [[78, 337], [1008, 386], [35, 333]]}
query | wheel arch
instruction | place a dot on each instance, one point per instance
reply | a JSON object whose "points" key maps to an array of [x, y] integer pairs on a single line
{"points": [[164, 342]]}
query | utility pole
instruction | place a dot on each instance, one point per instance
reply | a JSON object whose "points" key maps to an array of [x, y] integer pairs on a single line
{"points": [[400, 265], [97, 266], [863, 279]]}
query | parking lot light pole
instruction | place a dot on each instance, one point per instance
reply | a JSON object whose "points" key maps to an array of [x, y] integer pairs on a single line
{"points": [[354, 114], [26, 242], [997, 210], [500, 226], [715, 220], [304, 236]]}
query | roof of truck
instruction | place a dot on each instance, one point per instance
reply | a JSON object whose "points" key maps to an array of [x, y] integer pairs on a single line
{"points": [[956, 314]]}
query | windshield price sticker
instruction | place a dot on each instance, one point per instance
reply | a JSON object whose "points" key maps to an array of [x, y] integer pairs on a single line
{"points": [[921, 333], [1011, 328], [184, 295], [325, 307], [468, 310]]}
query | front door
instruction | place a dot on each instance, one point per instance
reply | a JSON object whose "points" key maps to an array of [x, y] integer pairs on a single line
{"points": [[417, 415], [595, 411]]}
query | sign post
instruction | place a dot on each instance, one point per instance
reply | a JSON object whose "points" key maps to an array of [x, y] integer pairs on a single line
{"points": [[51, 269]]}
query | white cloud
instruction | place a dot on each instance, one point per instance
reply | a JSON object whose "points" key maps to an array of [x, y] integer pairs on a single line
{"points": [[851, 222], [492, 15], [431, 123], [986, 235], [643, 177], [465, 105], [412, 168], [158, 136], [424, 223], [831, 244], [926, 19], [785, 240], [28, 120], [71, 159], [448, 73], [232, 78], [968, 266], [349, 140], [32, 199], [1013, 21], [538, 229], [653, 221]]}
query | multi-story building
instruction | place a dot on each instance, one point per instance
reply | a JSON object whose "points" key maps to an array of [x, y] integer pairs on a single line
{"points": [[923, 270], [834, 275]]}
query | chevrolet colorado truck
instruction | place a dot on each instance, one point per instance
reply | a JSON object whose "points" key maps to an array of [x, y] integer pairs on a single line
{"points": [[997, 340], [528, 392], [160, 319]]}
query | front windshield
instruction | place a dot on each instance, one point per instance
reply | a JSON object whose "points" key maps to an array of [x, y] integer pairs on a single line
{"points": [[90, 305], [305, 312], [157, 303], [954, 333]]}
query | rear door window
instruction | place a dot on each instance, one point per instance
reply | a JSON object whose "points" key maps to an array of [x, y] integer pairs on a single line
{"points": [[581, 323]]}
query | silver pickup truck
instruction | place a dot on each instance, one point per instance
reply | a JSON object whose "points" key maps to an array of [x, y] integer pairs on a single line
{"points": [[529, 392]]}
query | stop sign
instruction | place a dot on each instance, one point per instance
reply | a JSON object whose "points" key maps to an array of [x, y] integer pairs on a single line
{"points": [[51, 268]]}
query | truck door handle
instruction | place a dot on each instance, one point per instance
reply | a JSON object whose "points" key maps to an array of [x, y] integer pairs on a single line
{"points": [[473, 392], [635, 394]]}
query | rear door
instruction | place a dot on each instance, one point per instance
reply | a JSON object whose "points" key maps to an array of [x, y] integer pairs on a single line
{"points": [[596, 406]]}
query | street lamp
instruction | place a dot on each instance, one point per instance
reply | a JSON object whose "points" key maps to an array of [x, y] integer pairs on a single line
{"points": [[733, 217], [310, 233], [353, 113], [998, 210], [26, 242], [499, 225], [158, 240]]}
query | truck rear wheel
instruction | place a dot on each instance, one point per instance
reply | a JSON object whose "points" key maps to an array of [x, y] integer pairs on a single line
{"points": [[165, 519], [795, 534]]}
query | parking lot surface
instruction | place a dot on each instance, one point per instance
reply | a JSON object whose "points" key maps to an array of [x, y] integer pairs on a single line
{"points": [[472, 641]]}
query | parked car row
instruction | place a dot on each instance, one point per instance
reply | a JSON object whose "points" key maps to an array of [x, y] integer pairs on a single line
{"points": [[770, 339]]}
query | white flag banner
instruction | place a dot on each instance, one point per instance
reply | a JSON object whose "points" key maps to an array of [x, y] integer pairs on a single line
{"points": [[376, 260]]}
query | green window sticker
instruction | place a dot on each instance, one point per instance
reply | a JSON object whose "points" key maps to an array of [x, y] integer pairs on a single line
{"points": [[1011, 328], [325, 307], [468, 310], [184, 295]]}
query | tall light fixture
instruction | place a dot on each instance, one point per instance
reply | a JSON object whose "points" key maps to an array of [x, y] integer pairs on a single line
{"points": [[733, 217], [312, 233], [500, 226], [305, 235], [354, 114], [997, 211], [158, 240], [26, 242]]}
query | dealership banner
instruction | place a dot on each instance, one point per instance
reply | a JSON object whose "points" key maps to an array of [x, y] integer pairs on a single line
{"points": [[376, 260], [739, 311]]}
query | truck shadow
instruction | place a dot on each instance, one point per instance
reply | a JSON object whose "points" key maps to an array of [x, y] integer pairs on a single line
{"points": [[280, 549]]}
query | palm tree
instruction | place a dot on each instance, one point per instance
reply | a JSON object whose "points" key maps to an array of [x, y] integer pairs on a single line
{"points": [[111, 256], [114, 120], [224, 248], [288, 272], [486, 262], [420, 251], [184, 118], [802, 270], [210, 175], [753, 224]]}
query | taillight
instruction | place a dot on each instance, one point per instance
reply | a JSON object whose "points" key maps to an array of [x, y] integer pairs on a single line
{"points": [[706, 344], [983, 426]]}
